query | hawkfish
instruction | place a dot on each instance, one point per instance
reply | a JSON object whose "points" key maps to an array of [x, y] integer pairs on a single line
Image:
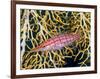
{"points": [[57, 42]]}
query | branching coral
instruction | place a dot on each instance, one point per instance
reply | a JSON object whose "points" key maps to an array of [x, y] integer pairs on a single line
{"points": [[39, 25]]}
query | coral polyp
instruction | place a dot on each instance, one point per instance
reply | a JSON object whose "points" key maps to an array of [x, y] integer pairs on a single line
{"points": [[40, 27]]}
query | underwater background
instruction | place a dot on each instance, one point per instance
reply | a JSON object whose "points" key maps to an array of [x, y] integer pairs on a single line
{"points": [[37, 26]]}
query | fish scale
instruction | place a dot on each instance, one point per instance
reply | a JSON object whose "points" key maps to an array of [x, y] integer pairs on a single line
{"points": [[57, 42]]}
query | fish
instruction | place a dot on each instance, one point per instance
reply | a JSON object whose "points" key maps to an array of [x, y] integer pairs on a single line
{"points": [[57, 42]]}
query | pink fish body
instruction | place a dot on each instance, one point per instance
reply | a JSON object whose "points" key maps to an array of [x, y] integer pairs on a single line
{"points": [[57, 42]]}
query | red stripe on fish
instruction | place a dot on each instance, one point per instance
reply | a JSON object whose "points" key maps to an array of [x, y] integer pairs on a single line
{"points": [[57, 42]]}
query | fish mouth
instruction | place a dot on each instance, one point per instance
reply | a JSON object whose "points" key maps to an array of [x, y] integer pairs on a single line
{"points": [[35, 49]]}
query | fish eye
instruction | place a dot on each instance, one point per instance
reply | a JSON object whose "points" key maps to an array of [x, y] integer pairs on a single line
{"points": [[44, 46]]}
